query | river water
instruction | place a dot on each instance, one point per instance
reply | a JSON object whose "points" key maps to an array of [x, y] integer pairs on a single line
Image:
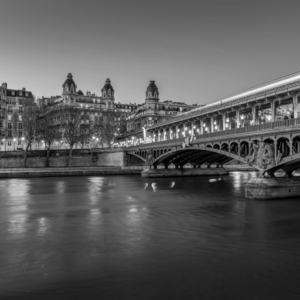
{"points": [[137, 238]]}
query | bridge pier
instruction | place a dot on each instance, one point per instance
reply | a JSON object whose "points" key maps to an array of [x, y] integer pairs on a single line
{"points": [[272, 187]]}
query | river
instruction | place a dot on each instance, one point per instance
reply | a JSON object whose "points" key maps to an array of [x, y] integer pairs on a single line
{"points": [[126, 237]]}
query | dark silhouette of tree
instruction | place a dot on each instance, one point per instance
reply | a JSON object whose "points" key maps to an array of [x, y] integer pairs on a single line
{"points": [[29, 119], [123, 125], [109, 128], [71, 120], [48, 129], [14, 124]]}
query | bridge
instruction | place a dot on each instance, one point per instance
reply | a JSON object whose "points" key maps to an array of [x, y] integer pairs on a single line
{"points": [[259, 127]]}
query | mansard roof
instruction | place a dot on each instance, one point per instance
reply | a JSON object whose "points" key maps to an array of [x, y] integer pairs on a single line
{"points": [[17, 93]]}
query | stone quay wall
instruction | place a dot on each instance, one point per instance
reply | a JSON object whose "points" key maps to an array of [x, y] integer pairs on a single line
{"points": [[58, 158]]}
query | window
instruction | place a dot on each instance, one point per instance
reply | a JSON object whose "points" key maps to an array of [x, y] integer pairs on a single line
{"points": [[26, 94], [20, 134], [19, 142], [12, 93], [20, 93], [9, 134], [9, 143], [20, 109], [20, 126], [9, 126]]}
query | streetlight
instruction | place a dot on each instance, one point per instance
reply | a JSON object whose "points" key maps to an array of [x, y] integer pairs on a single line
{"points": [[22, 141], [14, 143]]}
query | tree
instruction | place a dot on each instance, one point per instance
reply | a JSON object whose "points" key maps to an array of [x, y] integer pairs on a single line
{"points": [[48, 130], [85, 131], [14, 124], [71, 120], [29, 119], [123, 125], [109, 128]]}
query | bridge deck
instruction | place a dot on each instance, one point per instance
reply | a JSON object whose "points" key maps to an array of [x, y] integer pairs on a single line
{"points": [[255, 130]]}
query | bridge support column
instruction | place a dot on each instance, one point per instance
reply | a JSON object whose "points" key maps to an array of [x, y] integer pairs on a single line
{"points": [[212, 124], [192, 128], [253, 115], [273, 111], [272, 188], [237, 119], [201, 126], [224, 121], [295, 102]]}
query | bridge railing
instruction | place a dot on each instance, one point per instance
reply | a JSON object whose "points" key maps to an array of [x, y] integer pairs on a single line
{"points": [[253, 128]]}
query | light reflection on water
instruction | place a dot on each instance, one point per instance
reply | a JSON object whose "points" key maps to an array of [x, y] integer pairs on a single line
{"points": [[137, 238]]}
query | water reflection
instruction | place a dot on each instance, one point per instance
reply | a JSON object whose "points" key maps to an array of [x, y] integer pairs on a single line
{"points": [[60, 187], [43, 226], [114, 238], [17, 224]]}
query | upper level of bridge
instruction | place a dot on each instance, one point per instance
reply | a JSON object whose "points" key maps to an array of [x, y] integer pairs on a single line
{"points": [[257, 107]]}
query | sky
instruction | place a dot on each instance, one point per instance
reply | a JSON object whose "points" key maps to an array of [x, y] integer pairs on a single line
{"points": [[197, 51]]}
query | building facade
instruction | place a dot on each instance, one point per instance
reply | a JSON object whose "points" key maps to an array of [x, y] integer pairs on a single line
{"points": [[153, 111], [149, 114], [95, 108], [11, 127]]}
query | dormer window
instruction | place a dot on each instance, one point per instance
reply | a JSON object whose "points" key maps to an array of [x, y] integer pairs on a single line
{"points": [[12, 93]]}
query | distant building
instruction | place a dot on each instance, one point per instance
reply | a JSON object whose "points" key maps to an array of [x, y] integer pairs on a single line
{"points": [[152, 111], [11, 126], [97, 106], [73, 97]]}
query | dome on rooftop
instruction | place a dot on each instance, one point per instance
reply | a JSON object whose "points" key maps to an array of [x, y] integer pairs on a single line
{"points": [[152, 91], [107, 90], [69, 84]]}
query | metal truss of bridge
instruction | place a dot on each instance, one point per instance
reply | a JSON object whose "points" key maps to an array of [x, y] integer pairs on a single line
{"points": [[259, 127]]}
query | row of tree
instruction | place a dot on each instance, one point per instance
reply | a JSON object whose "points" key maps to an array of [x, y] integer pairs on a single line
{"points": [[70, 124]]}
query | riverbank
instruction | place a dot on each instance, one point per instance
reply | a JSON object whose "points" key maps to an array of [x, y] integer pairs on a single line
{"points": [[59, 172]]}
